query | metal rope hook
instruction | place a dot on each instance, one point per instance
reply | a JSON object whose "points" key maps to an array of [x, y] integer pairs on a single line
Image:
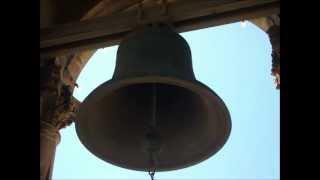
{"points": [[153, 162], [166, 19], [164, 4], [152, 169], [153, 136], [151, 173]]}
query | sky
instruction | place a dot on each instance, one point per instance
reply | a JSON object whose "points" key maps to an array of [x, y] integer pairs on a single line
{"points": [[234, 60]]}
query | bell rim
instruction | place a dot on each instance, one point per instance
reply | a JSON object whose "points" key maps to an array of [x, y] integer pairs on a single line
{"points": [[192, 85]]}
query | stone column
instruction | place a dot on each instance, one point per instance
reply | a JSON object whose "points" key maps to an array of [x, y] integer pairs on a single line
{"points": [[49, 139], [56, 111]]}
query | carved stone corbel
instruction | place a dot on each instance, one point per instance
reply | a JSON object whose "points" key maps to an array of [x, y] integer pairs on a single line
{"points": [[271, 25], [274, 35], [57, 109]]}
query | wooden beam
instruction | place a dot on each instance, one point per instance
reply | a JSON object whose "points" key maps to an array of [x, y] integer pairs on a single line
{"points": [[186, 15], [107, 7]]}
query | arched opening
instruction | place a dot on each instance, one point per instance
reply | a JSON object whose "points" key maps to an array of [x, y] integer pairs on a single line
{"points": [[234, 61]]}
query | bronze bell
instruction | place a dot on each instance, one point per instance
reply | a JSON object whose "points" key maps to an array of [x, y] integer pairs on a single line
{"points": [[153, 112]]}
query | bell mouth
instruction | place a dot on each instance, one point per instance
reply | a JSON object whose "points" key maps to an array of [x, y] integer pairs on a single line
{"points": [[192, 121]]}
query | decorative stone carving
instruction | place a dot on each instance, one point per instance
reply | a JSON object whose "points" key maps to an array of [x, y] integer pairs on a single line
{"points": [[274, 35], [271, 25], [275, 71], [56, 105]]}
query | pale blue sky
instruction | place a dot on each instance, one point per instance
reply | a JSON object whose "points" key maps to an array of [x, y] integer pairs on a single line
{"points": [[235, 61]]}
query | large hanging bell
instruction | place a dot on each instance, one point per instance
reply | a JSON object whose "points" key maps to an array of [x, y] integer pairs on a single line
{"points": [[153, 105]]}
